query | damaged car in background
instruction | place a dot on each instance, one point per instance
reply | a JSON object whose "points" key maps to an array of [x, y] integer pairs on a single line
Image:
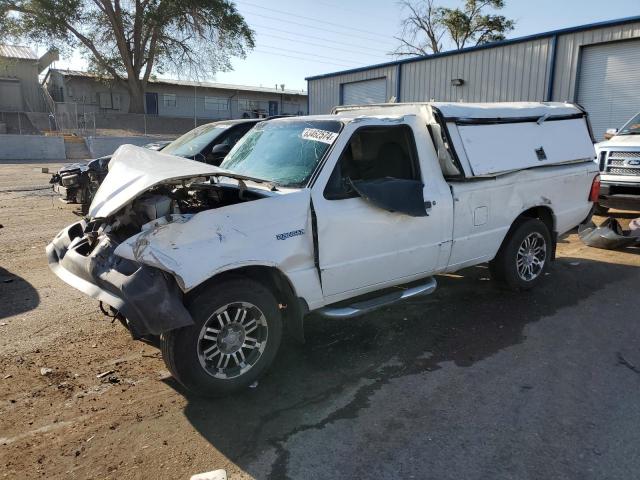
{"points": [[337, 215], [78, 182]]}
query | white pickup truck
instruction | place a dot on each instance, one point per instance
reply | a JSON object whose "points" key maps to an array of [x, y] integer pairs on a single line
{"points": [[619, 162], [334, 214]]}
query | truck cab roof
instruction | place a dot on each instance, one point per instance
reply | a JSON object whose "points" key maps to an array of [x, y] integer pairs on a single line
{"points": [[459, 110]]}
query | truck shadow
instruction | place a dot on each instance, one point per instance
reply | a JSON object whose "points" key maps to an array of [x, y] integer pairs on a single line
{"points": [[16, 294], [343, 363]]}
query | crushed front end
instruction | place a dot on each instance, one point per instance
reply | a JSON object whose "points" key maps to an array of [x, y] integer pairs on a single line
{"points": [[143, 193], [83, 256]]}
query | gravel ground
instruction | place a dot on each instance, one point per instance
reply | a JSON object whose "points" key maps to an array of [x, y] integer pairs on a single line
{"points": [[472, 382]]}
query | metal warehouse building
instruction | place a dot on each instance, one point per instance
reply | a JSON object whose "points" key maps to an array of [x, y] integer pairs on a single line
{"points": [[596, 65]]}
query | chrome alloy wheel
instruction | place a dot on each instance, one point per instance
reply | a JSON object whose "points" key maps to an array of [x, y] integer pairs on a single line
{"points": [[531, 256], [232, 340]]}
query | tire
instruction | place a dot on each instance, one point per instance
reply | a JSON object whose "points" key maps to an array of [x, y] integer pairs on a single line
{"points": [[237, 333], [600, 210], [521, 265]]}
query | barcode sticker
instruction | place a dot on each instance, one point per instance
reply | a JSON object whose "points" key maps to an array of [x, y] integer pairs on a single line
{"points": [[324, 136]]}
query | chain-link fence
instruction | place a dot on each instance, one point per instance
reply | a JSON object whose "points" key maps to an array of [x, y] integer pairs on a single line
{"points": [[168, 114]]}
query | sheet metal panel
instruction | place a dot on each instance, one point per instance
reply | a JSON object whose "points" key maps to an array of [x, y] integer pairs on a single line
{"points": [[494, 149], [569, 51], [508, 73], [608, 84], [324, 94], [367, 91]]}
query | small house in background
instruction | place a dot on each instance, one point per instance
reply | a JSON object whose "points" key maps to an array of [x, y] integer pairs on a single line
{"points": [[87, 93], [20, 89]]}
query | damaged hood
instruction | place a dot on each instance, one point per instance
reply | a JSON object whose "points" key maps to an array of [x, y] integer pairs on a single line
{"points": [[133, 170]]}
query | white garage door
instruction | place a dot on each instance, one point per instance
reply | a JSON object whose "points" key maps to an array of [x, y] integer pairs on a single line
{"points": [[367, 91], [10, 95], [609, 86]]}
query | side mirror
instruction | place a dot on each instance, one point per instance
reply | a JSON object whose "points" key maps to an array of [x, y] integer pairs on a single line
{"points": [[610, 133], [220, 151], [217, 154]]}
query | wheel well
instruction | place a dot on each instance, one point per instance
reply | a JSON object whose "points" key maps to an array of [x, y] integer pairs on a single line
{"points": [[544, 214], [292, 307]]}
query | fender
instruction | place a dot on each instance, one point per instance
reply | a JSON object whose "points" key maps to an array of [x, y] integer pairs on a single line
{"points": [[274, 232]]}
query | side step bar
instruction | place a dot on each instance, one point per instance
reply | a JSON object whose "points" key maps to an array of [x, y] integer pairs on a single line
{"points": [[366, 306]]}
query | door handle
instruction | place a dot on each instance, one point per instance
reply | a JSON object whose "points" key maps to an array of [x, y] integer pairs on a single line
{"points": [[429, 204]]}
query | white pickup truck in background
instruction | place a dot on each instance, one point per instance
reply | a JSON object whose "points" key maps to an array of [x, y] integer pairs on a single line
{"points": [[327, 214], [619, 162]]}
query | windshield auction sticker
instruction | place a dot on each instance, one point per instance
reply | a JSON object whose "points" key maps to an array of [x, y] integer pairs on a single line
{"points": [[318, 135]]}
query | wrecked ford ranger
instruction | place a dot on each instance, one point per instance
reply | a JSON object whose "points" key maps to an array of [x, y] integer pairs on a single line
{"points": [[335, 214]]}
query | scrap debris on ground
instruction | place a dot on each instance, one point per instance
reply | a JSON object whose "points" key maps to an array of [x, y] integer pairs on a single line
{"points": [[610, 235]]}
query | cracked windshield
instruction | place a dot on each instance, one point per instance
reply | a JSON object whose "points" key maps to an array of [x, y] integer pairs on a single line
{"points": [[283, 152]]}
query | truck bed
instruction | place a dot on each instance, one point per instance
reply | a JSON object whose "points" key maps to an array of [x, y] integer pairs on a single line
{"points": [[485, 208]]}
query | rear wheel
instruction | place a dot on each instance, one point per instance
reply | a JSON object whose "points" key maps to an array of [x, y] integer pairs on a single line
{"points": [[524, 256], [237, 333]]}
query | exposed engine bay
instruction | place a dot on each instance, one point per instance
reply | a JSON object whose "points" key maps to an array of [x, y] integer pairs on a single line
{"points": [[164, 202]]}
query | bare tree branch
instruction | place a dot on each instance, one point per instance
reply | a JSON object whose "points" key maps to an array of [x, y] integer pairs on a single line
{"points": [[427, 25]]}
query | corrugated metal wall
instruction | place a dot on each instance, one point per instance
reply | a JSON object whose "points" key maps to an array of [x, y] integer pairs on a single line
{"points": [[507, 73], [324, 94], [513, 72], [568, 55]]}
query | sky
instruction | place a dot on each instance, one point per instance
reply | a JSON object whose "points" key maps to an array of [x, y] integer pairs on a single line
{"points": [[300, 38]]}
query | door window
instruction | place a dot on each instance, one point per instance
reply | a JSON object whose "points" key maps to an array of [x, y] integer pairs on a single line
{"points": [[374, 153], [235, 134]]}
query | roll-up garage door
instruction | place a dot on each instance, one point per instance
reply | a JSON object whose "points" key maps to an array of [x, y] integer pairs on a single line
{"points": [[367, 91], [609, 84]]}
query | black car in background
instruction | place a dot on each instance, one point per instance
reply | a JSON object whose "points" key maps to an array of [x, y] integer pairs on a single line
{"points": [[209, 143]]}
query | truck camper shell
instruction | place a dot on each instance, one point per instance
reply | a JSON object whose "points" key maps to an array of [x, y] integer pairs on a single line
{"points": [[490, 139]]}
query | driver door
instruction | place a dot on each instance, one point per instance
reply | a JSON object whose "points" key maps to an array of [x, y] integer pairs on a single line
{"points": [[362, 246]]}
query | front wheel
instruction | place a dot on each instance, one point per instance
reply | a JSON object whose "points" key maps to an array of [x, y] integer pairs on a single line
{"points": [[524, 256], [237, 333]]}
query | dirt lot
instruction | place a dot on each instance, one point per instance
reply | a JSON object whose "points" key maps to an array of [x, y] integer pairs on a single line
{"points": [[471, 382]]}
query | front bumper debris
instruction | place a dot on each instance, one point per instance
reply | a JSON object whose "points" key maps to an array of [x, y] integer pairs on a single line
{"points": [[609, 235], [148, 298]]}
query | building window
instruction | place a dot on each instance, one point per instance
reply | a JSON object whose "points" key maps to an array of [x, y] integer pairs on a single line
{"points": [[108, 100], [169, 99], [105, 100], [215, 104], [248, 105]]}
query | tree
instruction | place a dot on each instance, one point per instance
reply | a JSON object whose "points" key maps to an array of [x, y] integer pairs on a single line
{"points": [[128, 40], [427, 26]]}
